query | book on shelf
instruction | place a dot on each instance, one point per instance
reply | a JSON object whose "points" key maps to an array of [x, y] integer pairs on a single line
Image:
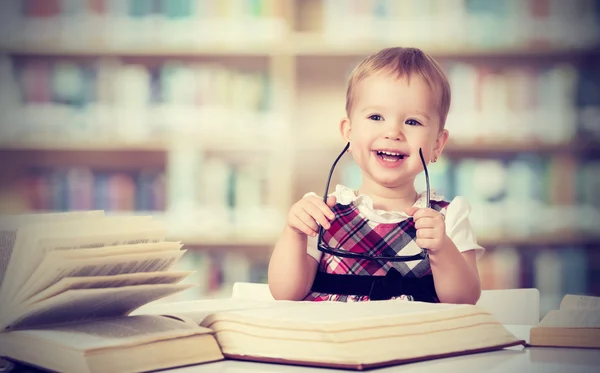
{"points": [[576, 323], [69, 282]]}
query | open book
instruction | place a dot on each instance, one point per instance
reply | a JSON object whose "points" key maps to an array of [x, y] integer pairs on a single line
{"points": [[575, 324], [342, 335], [73, 278]]}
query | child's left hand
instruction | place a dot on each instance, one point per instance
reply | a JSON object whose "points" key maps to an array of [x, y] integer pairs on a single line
{"points": [[431, 228]]}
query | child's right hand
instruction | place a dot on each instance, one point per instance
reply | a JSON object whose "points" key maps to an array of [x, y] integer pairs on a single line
{"points": [[310, 210]]}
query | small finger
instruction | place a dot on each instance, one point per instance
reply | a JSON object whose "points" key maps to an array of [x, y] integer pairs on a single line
{"points": [[425, 222], [411, 210], [308, 220], [426, 233], [299, 225], [325, 208], [426, 213], [316, 214], [420, 213], [424, 243], [331, 201]]}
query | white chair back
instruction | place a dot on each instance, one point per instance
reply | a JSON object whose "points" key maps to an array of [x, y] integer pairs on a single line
{"points": [[250, 290], [512, 306]]}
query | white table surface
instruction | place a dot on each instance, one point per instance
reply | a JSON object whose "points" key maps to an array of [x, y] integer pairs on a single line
{"points": [[512, 360]]}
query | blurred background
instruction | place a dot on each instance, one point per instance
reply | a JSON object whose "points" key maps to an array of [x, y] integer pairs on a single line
{"points": [[216, 115]]}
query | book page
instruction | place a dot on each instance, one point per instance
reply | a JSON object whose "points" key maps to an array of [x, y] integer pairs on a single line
{"points": [[9, 225], [90, 261], [339, 311], [310, 312], [339, 315], [128, 279], [33, 241], [54, 268], [589, 318], [7, 241], [579, 302], [118, 331], [85, 304], [196, 311], [134, 248]]}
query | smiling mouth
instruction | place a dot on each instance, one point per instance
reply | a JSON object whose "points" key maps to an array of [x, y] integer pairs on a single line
{"points": [[390, 156]]}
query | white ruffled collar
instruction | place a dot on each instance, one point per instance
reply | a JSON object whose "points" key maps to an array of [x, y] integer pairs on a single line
{"points": [[346, 196]]}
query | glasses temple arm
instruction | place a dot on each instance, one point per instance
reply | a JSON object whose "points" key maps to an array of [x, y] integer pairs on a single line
{"points": [[327, 186], [426, 177], [331, 171]]}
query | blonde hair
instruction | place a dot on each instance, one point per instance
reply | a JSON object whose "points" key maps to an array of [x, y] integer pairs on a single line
{"points": [[404, 62]]}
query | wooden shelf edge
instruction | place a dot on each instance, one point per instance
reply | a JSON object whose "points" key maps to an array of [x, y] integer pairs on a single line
{"points": [[209, 142], [83, 145], [298, 44], [479, 147], [249, 50], [539, 240]]}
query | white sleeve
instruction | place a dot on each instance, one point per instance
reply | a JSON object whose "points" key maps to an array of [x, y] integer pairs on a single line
{"points": [[311, 242], [311, 248], [458, 226]]}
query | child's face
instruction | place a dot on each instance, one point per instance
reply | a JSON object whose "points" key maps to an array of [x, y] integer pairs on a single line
{"points": [[390, 120]]}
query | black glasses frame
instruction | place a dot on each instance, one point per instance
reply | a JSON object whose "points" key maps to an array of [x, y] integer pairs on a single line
{"points": [[347, 254]]}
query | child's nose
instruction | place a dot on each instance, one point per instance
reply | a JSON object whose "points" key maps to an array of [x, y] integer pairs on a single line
{"points": [[394, 132]]}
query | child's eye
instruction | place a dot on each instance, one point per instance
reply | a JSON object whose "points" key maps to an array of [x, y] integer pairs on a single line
{"points": [[375, 117], [412, 122]]}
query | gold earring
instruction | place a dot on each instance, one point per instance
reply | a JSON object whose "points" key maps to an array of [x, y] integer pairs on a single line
{"points": [[434, 159]]}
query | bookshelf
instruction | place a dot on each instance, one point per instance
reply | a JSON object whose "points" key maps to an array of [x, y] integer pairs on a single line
{"points": [[283, 65]]}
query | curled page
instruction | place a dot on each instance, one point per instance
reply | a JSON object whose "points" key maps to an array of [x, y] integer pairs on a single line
{"points": [[85, 304], [55, 267], [34, 241], [10, 224], [128, 279]]}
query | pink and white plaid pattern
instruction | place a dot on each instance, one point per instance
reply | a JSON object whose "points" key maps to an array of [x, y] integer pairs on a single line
{"points": [[352, 232]]}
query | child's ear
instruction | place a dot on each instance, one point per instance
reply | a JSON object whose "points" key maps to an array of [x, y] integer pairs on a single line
{"points": [[345, 129], [440, 142]]}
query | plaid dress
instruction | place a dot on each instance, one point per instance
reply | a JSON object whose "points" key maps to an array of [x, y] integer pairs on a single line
{"points": [[353, 232]]}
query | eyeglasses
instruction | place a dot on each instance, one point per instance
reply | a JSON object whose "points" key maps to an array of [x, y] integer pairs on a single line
{"points": [[348, 254]]}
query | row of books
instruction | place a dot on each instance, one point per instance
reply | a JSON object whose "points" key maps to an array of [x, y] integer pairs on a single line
{"points": [[215, 272], [140, 22], [216, 183], [213, 181], [522, 103], [549, 104], [129, 100], [522, 196], [553, 271], [471, 23], [81, 188], [220, 195], [195, 195]]}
